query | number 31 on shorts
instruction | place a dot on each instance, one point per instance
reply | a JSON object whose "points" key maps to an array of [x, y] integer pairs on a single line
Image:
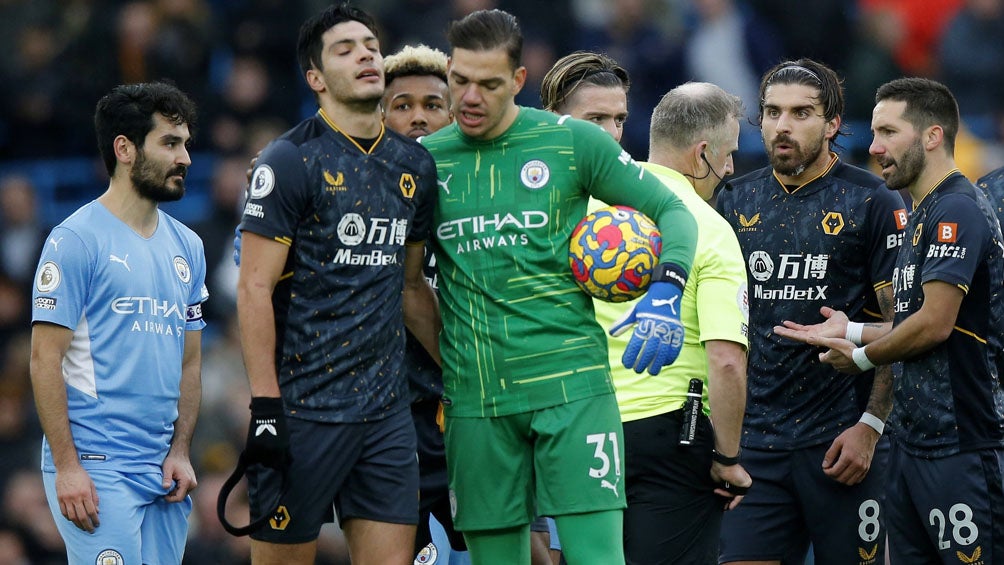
{"points": [[607, 458]]}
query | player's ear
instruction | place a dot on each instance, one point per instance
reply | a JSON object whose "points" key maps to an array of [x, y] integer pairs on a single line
{"points": [[519, 78], [933, 136], [315, 80], [832, 127], [125, 150]]}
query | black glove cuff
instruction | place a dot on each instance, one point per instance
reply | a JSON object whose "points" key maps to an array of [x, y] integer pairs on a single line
{"points": [[671, 273], [724, 459], [266, 405]]}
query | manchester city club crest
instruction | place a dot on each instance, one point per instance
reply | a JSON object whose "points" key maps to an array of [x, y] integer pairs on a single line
{"points": [[428, 556], [535, 174], [181, 267], [109, 557]]}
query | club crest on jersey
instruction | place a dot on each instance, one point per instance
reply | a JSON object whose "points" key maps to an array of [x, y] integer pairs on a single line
{"points": [[833, 222], [535, 174], [181, 267], [428, 556], [407, 184], [109, 557], [48, 278], [917, 233], [262, 182]]}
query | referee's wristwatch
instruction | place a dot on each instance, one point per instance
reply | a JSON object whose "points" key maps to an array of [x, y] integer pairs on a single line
{"points": [[725, 459]]}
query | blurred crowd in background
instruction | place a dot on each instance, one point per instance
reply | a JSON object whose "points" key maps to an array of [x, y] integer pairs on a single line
{"points": [[236, 58]]}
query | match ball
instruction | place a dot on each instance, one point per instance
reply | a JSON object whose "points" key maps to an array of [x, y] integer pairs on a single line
{"points": [[612, 253]]}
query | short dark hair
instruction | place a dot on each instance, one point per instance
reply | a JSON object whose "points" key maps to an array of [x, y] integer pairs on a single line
{"points": [[129, 110], [309, 44], [577, 69], [813, 74], [485, 30], [928, 103]]}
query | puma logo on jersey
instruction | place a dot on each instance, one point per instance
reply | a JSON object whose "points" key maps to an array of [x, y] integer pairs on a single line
{"points": [[55, 243], [750, 222], [445, 184], [115, 259], [612, 486]]}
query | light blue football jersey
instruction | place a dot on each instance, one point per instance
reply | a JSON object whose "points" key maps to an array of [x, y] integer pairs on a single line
{"points": [[129, 301]]}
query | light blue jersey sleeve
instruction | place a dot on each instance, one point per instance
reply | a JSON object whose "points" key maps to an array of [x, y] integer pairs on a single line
{"points": [[129, 301]]}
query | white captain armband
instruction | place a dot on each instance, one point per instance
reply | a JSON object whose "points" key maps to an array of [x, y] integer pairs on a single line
{"points": [[873, 422]]}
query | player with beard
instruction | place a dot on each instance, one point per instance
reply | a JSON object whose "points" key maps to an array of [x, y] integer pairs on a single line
{"points": [[945, 495], [116, 342], [330, 271], [815, 232]]}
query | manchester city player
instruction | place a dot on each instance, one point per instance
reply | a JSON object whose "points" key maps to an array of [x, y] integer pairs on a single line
{"points": [[531, 418], [116, 342], [331, 270], [945, 500], [416, 103], [815, 232]]}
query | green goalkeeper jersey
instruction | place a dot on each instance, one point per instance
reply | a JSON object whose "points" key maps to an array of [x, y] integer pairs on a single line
{"points": [[518, 334]]}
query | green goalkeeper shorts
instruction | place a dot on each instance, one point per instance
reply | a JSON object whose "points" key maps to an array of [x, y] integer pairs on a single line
{"points": [[566, 459]]}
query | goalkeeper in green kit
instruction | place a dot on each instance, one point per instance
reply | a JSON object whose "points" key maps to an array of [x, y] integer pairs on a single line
{"points": [[532, 425]]}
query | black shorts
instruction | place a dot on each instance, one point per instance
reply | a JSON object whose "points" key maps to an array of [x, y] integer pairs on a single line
{"points": [[365, 470], [792, 504], [947, 510], [673, 515], [434, 497]]}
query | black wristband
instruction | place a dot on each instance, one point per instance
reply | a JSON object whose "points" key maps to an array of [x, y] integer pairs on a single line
{"points": [[724, 459], [670, 272], [266, 405]]}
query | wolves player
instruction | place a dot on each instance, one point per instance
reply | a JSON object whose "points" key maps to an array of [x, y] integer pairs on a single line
{"points": [[116, 342], [945, 496], [992, 184], [529, 402], [815, 232], [324, 262]]}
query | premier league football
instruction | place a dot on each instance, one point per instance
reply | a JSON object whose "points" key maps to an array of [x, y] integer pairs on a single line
{"points": [[612, 252]]}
